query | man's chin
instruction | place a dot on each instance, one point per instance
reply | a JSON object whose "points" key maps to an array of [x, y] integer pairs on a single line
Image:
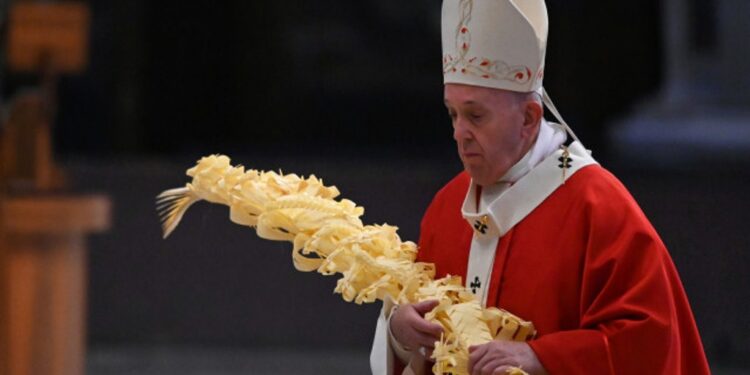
{"points": [[478, 177]]}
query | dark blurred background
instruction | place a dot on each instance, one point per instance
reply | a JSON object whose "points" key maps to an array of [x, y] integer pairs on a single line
{"points": [[238, 76], [352, 91]]}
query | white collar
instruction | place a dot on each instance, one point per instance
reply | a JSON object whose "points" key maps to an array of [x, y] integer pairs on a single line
{"points": [[551, 136], [515, 202]]}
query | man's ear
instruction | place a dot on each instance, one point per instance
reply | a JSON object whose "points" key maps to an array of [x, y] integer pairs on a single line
{"points": [[532, 116]]}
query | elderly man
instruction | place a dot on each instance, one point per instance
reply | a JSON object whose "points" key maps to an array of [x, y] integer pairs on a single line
{"points": [[535, 226]]}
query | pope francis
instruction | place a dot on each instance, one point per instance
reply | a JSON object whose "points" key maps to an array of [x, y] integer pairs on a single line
{"points": [[535, 225]]}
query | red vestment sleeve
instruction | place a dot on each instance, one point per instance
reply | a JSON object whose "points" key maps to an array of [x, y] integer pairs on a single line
{"points": [[585, 351], [634, 316]]}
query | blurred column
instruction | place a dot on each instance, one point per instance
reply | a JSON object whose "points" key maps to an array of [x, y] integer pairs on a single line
{"points": [[701, 111], [734, 31], [676, 73]]}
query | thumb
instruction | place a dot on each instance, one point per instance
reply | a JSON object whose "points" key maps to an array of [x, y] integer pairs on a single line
{"points": [[425, 306]]}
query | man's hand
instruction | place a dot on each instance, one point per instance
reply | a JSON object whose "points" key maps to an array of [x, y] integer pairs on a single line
{"points": [[411, 330], [496, 357]]}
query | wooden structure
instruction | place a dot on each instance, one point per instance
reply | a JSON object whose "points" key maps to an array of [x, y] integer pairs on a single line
{"points": [[43, 226], [45, 280], [48, 34]]}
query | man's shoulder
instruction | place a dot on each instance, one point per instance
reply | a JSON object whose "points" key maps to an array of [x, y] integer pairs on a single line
{"points": [[594, 180], [597, 191], [456, 187], [448, 200]]}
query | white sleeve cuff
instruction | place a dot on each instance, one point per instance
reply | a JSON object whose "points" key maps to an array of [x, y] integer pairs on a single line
{"points": [[403, 353]]}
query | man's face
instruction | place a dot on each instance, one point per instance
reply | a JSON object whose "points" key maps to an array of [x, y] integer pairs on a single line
{"points": [[488, 126]]}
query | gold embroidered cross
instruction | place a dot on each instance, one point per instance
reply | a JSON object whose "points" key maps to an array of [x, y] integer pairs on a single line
{"points": [[481, 225], [476, 284], [565, 161]]}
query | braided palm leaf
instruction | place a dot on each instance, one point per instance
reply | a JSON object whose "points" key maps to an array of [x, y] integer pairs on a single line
{"points": [[329, 237]]}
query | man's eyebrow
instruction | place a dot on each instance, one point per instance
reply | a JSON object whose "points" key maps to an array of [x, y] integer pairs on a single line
{"points": [[464, 103]]}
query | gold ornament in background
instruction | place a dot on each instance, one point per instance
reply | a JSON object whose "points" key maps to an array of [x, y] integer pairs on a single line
{"points": [[328, 236]]}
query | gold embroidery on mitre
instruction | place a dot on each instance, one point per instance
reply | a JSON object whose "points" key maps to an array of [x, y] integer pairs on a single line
{"points": [[481, 66]]}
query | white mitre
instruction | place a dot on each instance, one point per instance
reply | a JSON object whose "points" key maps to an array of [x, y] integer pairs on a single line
{"points": [[495, 43]]}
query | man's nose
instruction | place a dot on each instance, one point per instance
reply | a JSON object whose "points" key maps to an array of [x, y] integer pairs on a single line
{"points": [[460, 132]]}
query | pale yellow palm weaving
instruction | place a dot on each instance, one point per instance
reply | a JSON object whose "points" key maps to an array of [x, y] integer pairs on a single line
{"points": [[328, 236]]}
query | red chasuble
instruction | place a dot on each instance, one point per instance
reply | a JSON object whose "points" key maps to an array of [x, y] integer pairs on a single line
{"points": [[588, 269]]}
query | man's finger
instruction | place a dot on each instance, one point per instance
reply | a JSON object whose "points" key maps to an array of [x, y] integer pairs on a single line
{"points": [[427, 327], [425, 306], [483, 365], [476, 355], [492, 366], [501, 370]]}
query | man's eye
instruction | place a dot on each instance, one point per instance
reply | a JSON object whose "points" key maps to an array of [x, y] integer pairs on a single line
{"points": [[475, 117]]}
